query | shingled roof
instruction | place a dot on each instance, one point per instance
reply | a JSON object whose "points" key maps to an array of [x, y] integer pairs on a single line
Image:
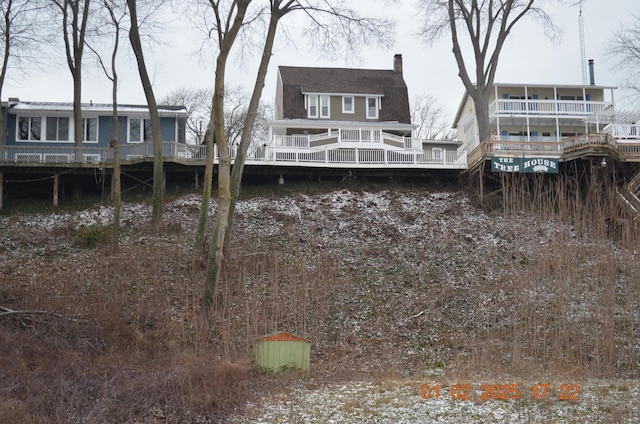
{"points": [[387, 83]]}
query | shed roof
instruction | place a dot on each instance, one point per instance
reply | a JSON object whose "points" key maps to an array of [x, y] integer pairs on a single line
{"points": [[283, 336]]}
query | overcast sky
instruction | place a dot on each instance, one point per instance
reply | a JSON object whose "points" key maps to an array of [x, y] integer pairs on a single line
{"points": [[528, 57]]}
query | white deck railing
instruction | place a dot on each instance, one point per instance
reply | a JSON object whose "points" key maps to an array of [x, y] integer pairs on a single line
{"points": [[343, 135], [256, 155], [624, 131]]}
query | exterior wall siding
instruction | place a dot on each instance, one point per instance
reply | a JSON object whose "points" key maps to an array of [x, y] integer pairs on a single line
{"points": [[104, 136]]}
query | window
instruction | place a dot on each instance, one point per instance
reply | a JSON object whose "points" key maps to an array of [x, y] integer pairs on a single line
{"points": [[29, 128], [437, 154], [90, 131], [347, 104], [139, 130], [57, 129], [372, 108], [324, 107], [312, 109]]}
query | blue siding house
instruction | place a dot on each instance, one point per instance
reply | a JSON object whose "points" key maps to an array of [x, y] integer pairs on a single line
{"points": [[43, 131]]}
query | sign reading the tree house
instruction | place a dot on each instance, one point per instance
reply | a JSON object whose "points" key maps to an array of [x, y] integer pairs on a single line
{"points": [[525, 165]]}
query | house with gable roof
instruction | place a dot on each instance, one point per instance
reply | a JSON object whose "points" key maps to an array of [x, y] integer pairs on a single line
{"points": [[347, 116]]}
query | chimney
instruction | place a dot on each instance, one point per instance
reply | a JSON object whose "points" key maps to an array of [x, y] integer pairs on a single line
{"points": [[397, 63], [592, 78]]}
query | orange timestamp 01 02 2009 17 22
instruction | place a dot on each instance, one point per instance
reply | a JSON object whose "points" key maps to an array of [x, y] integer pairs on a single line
{"points": [[514, 391]]}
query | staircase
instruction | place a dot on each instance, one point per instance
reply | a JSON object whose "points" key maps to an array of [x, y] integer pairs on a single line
{"points": [[629, 195]]}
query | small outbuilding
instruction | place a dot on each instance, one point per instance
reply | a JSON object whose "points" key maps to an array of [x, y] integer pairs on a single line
{"points": [[281, 352]]}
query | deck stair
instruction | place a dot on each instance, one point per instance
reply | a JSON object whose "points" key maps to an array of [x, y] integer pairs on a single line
{"points": [[629, 194]]}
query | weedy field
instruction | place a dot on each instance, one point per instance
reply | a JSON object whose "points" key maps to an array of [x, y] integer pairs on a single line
{"points": [[396, 287]]}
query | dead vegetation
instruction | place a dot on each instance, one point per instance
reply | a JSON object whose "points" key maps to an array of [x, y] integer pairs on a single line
{"points": [[403, 281]]}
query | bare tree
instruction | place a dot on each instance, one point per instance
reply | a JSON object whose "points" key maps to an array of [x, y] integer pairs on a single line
{"points": [[330, 26], [154, 116], [198, 104], [227, 27], [75, 18], [197, 101], [431, 117], [117, 12], [485, 26], [24, 31], [624, 47]]}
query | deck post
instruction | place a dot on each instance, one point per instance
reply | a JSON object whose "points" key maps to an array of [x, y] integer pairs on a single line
{"points": [[1, 188], [56, 182], [481, 181], [195, 180]]}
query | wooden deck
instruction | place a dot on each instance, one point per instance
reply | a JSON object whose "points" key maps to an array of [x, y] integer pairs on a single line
{"points": [[577, 147]]}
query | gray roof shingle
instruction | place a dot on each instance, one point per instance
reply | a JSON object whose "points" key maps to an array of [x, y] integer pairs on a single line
{"points": [[387, 83]]}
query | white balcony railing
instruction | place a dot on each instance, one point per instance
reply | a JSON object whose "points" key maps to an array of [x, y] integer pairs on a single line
{"points": [[624, 131], [547, 107]]}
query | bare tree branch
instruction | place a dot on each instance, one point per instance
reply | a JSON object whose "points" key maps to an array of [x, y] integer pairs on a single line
{"points": [[485, 24]]}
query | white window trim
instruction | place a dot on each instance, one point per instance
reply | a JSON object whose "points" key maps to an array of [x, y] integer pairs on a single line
{"points": [[141, 121], [309, 98], [30, 140], [69, 129], [377, 99], [437, 153], [84, 129], [352, 104], [328, 99], [141, 130]]}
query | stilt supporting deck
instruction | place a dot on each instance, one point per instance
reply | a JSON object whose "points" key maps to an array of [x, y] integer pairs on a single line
{"points": [[481, 182], [56, 181], [1, 188]]}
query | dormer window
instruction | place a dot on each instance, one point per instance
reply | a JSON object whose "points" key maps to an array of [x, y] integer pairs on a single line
{"points": [[318, 106], [324, 107], [372, 107], [347, 104], [312, 110]]}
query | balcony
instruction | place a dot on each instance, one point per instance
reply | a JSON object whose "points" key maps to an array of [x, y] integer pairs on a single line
{"points": [[547, 108]]}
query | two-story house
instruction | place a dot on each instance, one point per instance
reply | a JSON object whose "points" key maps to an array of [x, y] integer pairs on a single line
{"points": [[536, 113], [347, 116]]}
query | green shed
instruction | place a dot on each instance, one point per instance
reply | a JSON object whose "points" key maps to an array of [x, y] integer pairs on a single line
{"points": [[282, 351]]}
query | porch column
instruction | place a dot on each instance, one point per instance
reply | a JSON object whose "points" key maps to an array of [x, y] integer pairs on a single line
{"points": [[586, 109], [526, 99], [56, 181], [498, 133]]}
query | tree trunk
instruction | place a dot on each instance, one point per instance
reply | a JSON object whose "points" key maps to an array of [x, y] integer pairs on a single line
{"points": [[252, 112], [481, 101], [206, 191], [216, 248], [158, 172]]}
